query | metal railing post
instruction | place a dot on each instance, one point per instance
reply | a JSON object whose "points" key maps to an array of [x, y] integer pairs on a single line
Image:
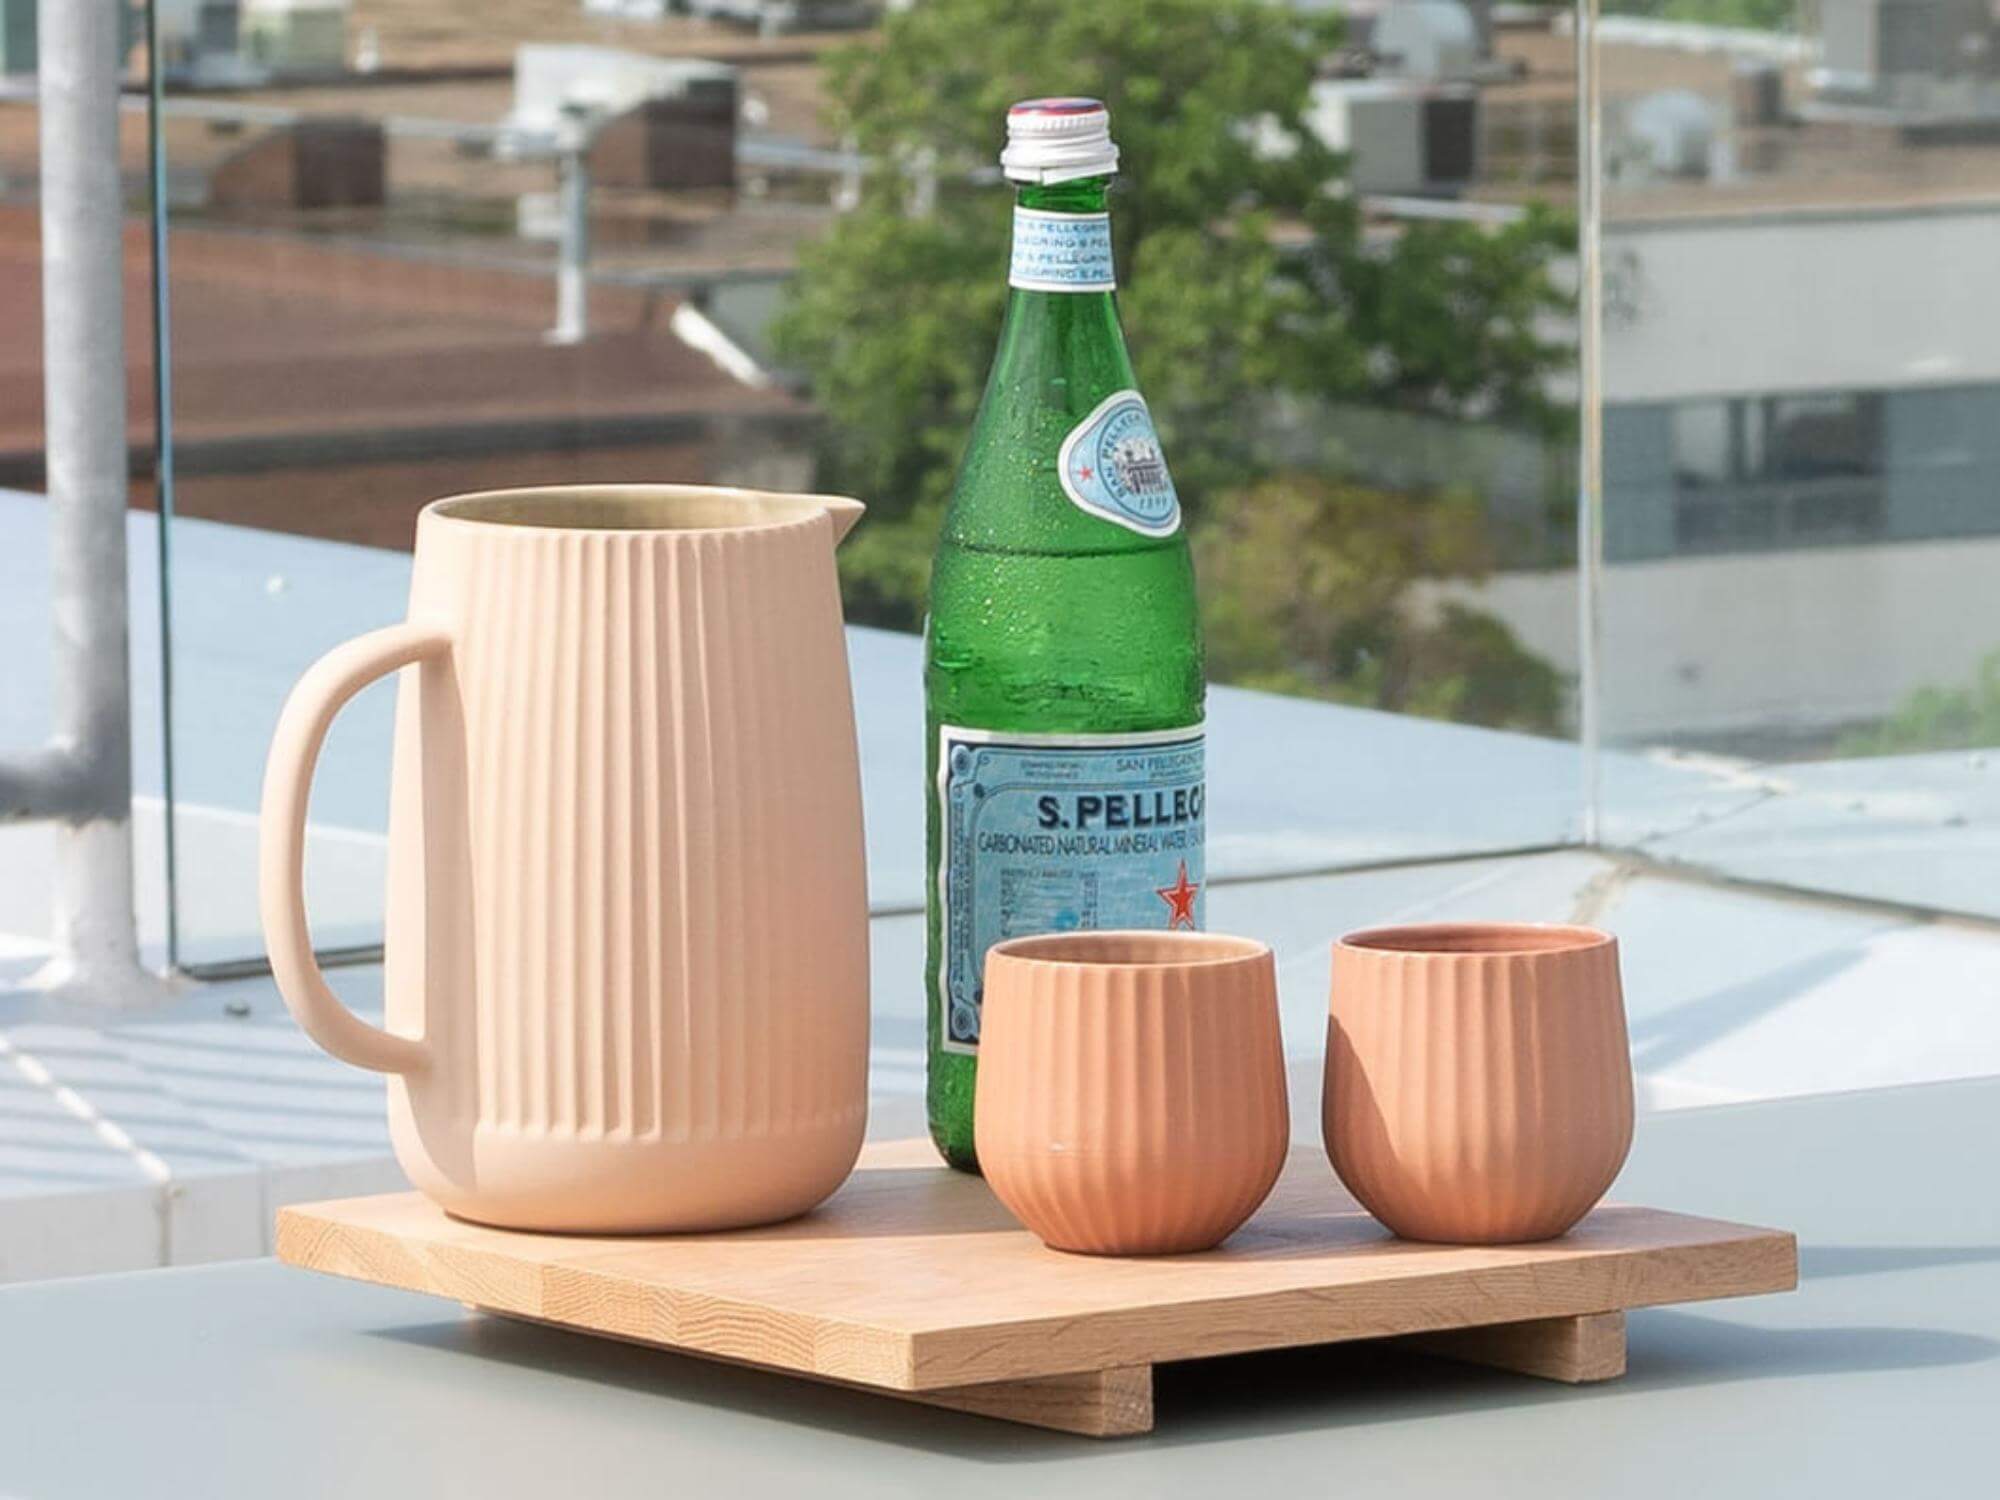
{"points": [[82, 779], [1590, 409]]}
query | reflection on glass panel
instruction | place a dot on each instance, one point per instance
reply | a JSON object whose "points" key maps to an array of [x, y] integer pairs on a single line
{"points": [[422, 246], [1802, 474]]}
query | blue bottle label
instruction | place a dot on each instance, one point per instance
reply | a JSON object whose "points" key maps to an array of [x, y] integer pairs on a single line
{"points": [[1061, 252], [1055, 833], [1111, 466]]}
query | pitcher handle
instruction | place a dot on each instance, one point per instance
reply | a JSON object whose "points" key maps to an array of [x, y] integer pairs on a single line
{"points": [[324, 690]]}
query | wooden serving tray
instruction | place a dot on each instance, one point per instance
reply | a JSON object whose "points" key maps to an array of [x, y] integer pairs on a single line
{"points": [[913, 1281]]}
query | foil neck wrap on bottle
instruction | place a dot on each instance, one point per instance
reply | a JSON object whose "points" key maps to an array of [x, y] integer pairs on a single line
{"points": [[1058, 140]]}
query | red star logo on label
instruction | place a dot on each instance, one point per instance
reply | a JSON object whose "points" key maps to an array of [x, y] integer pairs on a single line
{"points": [[1180, 900], [1084, 472]]}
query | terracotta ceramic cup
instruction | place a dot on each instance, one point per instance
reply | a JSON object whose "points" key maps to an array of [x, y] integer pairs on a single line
{"points": [[1131, 1096], [1478, 1086]]}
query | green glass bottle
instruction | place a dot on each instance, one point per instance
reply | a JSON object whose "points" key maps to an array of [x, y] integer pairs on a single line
{"points": [[1063, 661]]}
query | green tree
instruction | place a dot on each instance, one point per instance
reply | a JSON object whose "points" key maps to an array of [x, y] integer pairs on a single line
{"points": [[1305, 589], [1938, 718], [1247, 273]]}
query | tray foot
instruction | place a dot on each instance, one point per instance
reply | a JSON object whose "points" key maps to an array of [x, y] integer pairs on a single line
{"points": [[1575, 1350], [1091, 1403]]}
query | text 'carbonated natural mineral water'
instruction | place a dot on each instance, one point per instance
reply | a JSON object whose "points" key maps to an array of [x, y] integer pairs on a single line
{"points": [[1063, 665]]}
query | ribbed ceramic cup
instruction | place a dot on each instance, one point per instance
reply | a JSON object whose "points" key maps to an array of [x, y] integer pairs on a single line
{"points": [[1131, 1095], [1478, 1086]]}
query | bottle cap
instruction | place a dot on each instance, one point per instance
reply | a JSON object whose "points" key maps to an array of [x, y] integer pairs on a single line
{"points": [[1058, 140]]}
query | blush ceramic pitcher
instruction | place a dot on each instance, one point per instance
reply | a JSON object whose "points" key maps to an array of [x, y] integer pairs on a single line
{"points": [[627, 970]]}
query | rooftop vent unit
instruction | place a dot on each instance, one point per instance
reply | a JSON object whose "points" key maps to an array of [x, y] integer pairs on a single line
{"points": [[553, 78], [1430, 39], [295, 36], [201, 41], [1916, 56], [629, 10], [1757, 92], [772, 17], [659, 122], [1668, 134], [1402, 138]]}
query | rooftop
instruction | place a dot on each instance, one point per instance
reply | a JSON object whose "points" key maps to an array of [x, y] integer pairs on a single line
{"points": [[1810, 160], [467, 34], [324, 387]]}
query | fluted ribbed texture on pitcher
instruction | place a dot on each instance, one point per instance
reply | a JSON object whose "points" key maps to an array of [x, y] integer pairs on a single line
{"points": [[662, 838], [1477, 1097], [1131, 1107]]}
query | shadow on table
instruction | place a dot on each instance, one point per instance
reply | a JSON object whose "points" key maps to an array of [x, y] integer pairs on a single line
{"points": [[1681, 1348], [726, 1388], [1199, 1401], [1324, 1388], [1359, 1384], [1818, 1261], [1659, 1041]]}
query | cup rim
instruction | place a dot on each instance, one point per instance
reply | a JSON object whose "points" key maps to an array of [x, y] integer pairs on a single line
{"points": [[761, 510], [1130, 948], [1448, 941]]}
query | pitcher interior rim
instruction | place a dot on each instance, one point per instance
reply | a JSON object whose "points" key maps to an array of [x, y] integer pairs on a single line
{"points": [[763, 510]]}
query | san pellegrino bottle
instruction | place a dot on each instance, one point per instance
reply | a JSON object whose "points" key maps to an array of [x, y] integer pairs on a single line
{"points": [[1063, 661]]}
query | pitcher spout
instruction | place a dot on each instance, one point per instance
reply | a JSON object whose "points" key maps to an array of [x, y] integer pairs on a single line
{"points": [[843, 512]]}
